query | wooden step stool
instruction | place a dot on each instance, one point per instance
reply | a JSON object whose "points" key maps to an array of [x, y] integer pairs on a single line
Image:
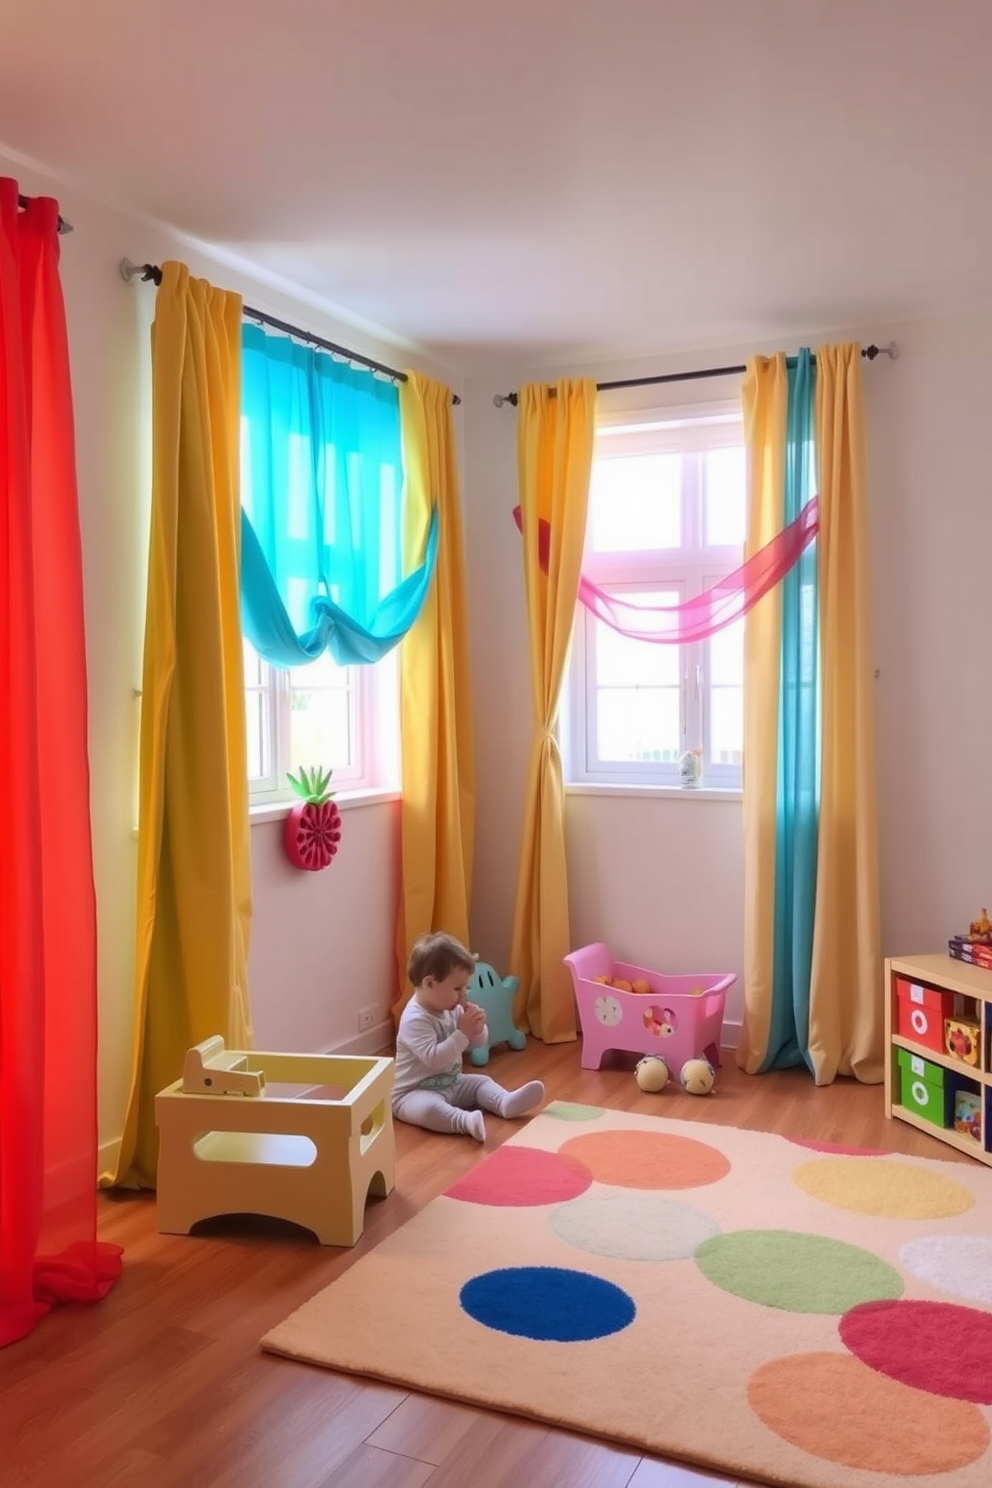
{"points": [[228, 1145]]}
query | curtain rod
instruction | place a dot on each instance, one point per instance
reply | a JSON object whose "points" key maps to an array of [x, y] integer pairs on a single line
{"points": [[153, 272], [868, 352], [64, 226]]}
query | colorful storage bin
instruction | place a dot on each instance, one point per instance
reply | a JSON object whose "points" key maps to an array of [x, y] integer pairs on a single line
{"points": [[923, 1087], [962, 1039], [922, 1011], [966, 1112]]}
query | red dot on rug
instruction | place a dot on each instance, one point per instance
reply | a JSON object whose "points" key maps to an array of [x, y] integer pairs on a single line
{"points": [[646, 1160], [934, 1346], [522, 1177], [834, 1408], [838, 1148]]}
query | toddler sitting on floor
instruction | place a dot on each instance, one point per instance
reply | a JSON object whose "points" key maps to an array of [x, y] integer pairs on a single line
{"points": [[436, 1027]]}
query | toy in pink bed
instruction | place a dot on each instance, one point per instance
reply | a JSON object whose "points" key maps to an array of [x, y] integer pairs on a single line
{"points": [[679, 1017]]}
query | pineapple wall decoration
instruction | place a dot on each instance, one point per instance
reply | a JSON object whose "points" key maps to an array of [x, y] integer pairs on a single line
{"points": [[313, 827]]}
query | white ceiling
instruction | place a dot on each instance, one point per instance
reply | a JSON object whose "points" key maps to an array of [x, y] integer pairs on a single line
{"points": [[548, 178]]}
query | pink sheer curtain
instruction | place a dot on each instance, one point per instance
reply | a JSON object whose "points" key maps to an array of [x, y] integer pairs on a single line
{"points": [[49, 1252], [706, 613]]}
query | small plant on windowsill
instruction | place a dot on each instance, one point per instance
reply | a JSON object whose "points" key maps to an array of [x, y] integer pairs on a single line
{"points": [[313, 826]]}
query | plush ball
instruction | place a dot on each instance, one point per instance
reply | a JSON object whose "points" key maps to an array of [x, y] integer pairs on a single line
{"points": [[652, 1074], [641, 986], [697, 1076], [621, 984]]}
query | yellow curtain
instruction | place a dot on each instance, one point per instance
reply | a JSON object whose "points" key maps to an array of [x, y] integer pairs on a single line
{"points": [[194, 872], [438, 808], [765, 399], [846, 1009], [556, 427]]}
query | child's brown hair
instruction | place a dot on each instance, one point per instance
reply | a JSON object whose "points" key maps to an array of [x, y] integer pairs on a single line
{"points": [[437, 955]]}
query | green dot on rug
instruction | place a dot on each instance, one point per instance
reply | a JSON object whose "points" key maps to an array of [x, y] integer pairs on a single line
{"points": [[572, 1111], [795, 1272]]}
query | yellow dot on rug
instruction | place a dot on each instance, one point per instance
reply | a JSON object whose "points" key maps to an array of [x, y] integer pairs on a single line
{"points": [[646, 1160], [839, 1410], [886, 1188]]}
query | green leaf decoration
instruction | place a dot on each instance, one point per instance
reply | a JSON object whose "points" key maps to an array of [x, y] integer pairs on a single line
{"points": [[311, 784]]}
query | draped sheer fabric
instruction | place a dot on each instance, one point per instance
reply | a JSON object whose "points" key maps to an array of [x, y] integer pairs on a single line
{"points": [[704, 614], [322, 524]]}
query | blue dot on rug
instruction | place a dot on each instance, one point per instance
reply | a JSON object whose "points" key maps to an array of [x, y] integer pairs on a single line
{"points": [[547, 1303]]}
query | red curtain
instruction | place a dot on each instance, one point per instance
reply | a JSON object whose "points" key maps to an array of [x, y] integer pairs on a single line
{"points": [[49, 1252]]}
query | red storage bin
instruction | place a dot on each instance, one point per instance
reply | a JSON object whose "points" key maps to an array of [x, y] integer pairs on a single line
{"points": [[922, 1011]]}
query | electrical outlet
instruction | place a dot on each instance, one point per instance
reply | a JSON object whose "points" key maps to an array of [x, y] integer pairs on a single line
{"points": [[366, 1018]]}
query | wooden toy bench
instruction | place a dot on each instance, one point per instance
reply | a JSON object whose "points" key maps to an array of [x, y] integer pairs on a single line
{"points": [[229, 1145]]}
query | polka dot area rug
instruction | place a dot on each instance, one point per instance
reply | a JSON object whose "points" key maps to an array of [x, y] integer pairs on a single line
{"points": [[769, 1309]]}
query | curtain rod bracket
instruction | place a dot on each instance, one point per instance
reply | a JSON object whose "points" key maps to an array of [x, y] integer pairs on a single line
{"points": [[129, 271]]}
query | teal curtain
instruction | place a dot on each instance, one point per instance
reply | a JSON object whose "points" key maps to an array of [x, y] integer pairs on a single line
{"points": [[798, 803], [321, 518]]}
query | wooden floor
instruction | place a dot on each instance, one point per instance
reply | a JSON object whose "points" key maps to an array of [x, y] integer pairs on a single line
{"points": [[163, 1384]]}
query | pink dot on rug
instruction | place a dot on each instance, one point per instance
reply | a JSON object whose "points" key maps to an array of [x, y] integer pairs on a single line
{"points": [[836, 1147], [647, 1160], [522, 1177], [934, 1346], [835, 1408]]}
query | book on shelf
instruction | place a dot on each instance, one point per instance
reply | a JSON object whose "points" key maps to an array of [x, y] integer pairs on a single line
{"points": [[974, 952]]}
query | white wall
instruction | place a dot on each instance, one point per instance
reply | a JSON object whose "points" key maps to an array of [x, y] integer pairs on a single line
{"points": [[322, 944], [661, 878]]}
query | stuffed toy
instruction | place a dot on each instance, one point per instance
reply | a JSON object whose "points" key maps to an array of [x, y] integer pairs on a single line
{"points": [[652, 1074], [697, 1076], [495, 997]]}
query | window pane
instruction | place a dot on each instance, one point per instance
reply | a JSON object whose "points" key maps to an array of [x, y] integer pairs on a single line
{"points": [[258, 767], [320, 714], [635, 502], [727, 656], [726, 497], [621, 662], [637, 724], [256, 713], [727, 725], [253, 665], [320, 732]]}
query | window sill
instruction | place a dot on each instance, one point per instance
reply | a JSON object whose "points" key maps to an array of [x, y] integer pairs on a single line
{"points": [[654, 792], [269, 811]]}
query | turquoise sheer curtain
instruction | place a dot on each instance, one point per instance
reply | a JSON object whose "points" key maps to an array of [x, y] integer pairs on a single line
{"points": [[798, 807], [322, 514]]}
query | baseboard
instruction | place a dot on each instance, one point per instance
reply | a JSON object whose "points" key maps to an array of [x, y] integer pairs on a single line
{"points": [[376, 1040], [731, 1035]]}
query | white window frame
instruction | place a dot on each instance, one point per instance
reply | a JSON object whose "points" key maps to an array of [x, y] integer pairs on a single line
{"points": [[373, 719], [689, 570]]}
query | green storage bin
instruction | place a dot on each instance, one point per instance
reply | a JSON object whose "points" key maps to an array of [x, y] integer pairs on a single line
{"points": [[923, 1087]]}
